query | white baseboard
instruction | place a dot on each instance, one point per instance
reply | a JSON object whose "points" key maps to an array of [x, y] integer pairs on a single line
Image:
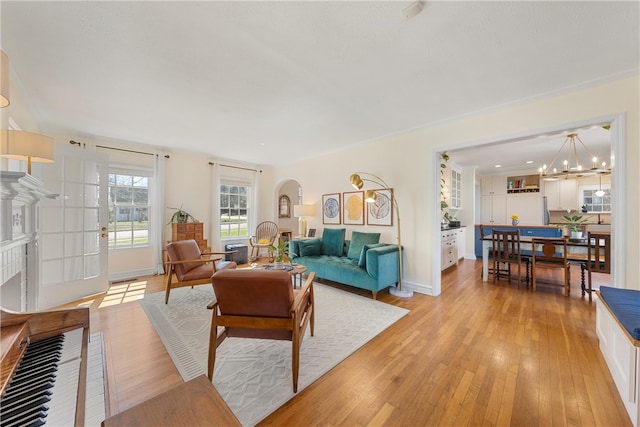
{"points": [[130, 274]]}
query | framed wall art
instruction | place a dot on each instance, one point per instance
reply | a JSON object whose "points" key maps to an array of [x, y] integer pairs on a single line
{"points": [[381, 211], [331, 208], [353, 208]]}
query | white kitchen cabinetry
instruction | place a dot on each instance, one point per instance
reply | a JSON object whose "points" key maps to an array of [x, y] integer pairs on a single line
{"points": [[493, 205], [528, 207], [456, 189], [449, 253], [493, 184], [562, 194], [460, 238], [493, 209]]}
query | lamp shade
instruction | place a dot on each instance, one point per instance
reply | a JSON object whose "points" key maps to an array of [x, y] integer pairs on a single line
{"points": [[304, 210], [29, 146], [4, 79]]}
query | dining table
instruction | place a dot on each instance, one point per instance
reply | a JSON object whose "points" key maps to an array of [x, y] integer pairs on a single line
{"points": [[577, 250]]}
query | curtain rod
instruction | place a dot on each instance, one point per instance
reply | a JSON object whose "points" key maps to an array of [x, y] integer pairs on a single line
{"points": [[72, 142], [236, 167]]}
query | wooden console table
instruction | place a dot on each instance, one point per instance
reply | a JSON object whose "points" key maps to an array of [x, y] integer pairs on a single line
{"points": [[194, 403]]}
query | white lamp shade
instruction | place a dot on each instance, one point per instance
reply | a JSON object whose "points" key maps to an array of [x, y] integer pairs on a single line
{"points": [[304, 210], [4, 79], [21, 145]]}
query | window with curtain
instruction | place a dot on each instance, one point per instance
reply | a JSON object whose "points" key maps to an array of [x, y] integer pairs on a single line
{"points": [[234, 209], [129, 208]]}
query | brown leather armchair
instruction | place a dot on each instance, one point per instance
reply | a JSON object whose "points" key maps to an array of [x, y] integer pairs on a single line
{"points": [[191, 267], [261, 304]]}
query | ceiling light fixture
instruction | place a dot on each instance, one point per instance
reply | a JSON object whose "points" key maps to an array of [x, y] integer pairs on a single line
{"points": [[600, 192], [29, 146], [413, 9], [571, 166]]}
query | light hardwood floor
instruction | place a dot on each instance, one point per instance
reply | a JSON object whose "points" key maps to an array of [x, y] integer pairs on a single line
{"points": [[479, 354]]}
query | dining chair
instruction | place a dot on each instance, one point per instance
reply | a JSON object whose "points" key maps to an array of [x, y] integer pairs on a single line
{"points": [[261, 304], [598, 259], [265, 236], [489, 250], [550, 254], [505, 251]]}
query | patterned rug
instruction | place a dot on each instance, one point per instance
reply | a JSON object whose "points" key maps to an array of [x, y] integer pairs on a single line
{"points": [[254, 376]]}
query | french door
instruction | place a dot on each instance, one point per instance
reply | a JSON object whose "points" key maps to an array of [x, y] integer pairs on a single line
{"points": [[73, 227]]}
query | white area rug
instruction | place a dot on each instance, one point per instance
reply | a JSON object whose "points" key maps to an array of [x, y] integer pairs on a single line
{"points": [[254, 376]]}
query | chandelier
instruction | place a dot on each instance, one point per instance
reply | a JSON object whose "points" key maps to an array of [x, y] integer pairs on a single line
{"points": [[571, 166]]}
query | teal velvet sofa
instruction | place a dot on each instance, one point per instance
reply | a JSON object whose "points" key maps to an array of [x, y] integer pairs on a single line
{"points": [[361, 262]]}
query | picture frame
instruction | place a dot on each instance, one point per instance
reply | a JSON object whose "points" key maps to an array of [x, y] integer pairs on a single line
{"points": [[331, 208], [312, 232], [381, 211], [353, 208]]}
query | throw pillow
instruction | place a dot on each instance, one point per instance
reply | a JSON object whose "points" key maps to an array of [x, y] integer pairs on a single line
{"points": [[362, 261], [264, 241], [309, 247], [358, 240], [333, 241]]}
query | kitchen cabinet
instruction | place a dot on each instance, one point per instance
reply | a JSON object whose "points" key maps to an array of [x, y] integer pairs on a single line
{"points": [[493, 184], [528, 207], [562, 194], [493, 209], [460, 241], [456, 189], [449, 248], [523, 184]]}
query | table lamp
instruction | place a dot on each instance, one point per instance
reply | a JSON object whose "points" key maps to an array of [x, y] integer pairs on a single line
{"points": [[29, 146], [302, 212]]}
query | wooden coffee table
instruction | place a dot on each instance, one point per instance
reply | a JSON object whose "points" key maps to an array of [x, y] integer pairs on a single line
{"points": [[295, 271]]}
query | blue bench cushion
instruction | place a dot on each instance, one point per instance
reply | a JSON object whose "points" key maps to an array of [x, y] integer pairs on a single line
{"points": [[625, 304]]}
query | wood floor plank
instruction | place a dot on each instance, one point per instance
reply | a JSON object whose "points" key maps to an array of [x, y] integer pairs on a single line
{"points": [[479, 354]]}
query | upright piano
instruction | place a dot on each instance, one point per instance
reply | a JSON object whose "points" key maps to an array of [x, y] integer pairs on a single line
{"points": [[43, 367]]}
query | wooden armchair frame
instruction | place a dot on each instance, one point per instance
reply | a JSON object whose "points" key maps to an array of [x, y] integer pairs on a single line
{"points": [[203, 277], [266, 230], [301, 314]]}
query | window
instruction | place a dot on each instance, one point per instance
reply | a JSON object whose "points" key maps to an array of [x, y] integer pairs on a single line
{"points": [[596, 203], [128, 209], [234, 210]]}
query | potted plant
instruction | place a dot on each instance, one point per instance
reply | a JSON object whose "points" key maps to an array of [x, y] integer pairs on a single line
{"points": [[574, 223], [180, 216], [584, 209], [281, 254], [444, 157]]}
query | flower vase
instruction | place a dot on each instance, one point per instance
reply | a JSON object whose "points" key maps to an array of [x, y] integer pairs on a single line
{"points": [[514, 222]]}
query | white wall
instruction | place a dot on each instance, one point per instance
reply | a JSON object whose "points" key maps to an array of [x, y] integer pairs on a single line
{"points": [[408, 164]]}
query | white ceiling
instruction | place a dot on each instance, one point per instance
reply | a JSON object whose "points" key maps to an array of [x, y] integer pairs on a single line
{"points": [[250, 81]]}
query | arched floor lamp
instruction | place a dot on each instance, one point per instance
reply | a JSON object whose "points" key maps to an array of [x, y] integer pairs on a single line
{"points": [[370, 196]]}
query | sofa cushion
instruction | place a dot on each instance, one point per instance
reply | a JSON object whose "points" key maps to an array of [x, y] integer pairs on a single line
{"points": [[362, 260], [333, 241], [358, 240], [310, 247]]}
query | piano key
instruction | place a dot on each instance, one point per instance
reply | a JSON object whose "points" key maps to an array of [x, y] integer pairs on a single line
{"points": [[44, 389]]}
